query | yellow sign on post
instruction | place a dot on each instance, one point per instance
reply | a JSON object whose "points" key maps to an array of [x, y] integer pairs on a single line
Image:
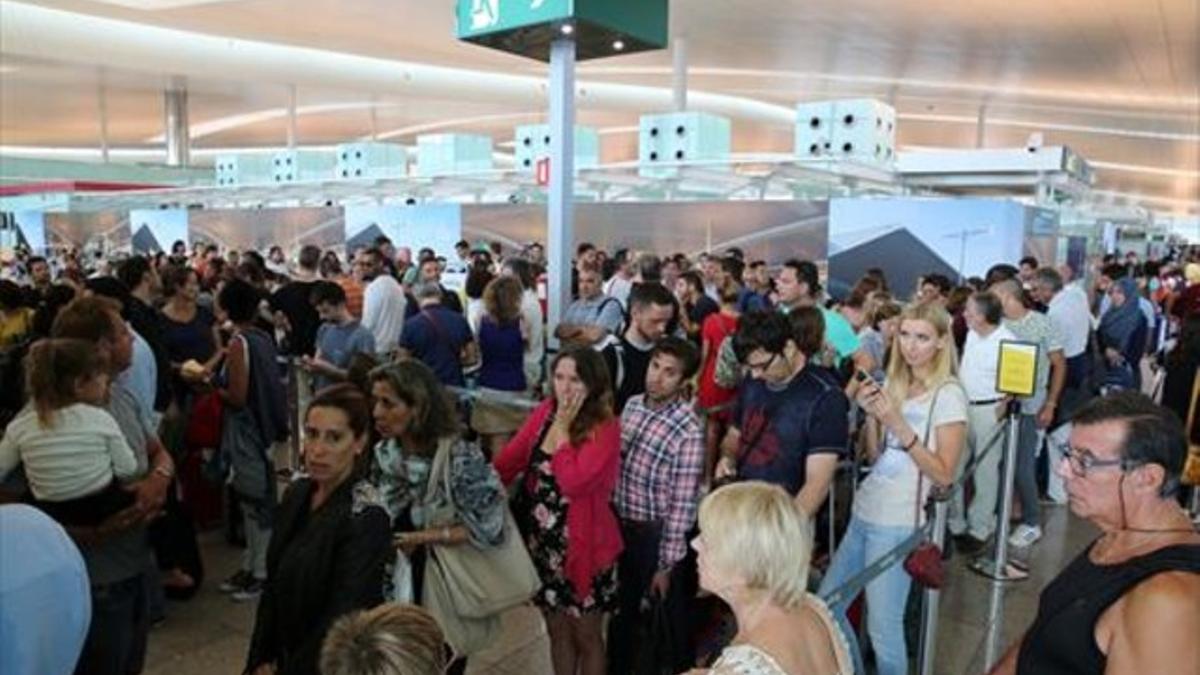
{"points": [[1017, 372]]}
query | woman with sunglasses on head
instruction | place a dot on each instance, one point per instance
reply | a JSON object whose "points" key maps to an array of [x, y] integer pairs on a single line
{"points": [[421, 435], [915, 434]]}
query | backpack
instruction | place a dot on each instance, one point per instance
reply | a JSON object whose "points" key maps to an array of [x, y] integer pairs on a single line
{"points": [[618, 365], [729, 370], [624, 314]]}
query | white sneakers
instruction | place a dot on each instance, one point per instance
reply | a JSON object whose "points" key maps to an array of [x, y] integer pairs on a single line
{"points": [[1025, 536]]}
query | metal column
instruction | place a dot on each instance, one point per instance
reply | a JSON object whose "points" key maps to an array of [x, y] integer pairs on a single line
{"points": [[997, 568], [561, 211], [679, 85], [981, 127], [992, 645], [175, 122], [291, 117], [929, 609], [102, 114]]}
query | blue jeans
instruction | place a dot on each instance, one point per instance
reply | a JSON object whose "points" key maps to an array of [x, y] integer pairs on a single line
{"points": [[1026, 476], [887, 594], [116, 640]]}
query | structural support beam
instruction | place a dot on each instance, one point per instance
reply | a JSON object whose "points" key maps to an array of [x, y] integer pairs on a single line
{"points": [[102, 115], [560, 239], [291, 117], [679, 74], [981, 127], [175, 121]]}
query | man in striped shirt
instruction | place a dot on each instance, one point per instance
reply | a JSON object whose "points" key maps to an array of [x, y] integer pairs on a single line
{"points": [[662, 456]]}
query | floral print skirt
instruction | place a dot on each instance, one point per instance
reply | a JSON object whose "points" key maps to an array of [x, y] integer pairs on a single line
{"points": [[541, 512]]}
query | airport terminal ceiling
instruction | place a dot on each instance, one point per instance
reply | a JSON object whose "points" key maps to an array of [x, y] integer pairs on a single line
{"points": [[1116, 81]]}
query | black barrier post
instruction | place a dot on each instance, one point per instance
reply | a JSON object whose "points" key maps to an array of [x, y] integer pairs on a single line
{"points": [[997, 568]]}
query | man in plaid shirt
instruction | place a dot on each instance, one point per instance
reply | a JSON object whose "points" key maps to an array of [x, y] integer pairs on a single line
{"points": [[662, 456]]}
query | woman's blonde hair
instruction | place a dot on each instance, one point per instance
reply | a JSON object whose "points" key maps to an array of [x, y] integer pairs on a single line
{"points": [[945, 364], [755, 530], [391, 639]]}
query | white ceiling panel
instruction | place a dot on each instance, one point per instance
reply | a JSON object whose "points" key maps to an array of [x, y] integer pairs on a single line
{"points": [[1116, 79]]}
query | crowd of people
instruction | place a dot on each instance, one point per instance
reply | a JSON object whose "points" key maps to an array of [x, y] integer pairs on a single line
{"points": [[650, 486]]}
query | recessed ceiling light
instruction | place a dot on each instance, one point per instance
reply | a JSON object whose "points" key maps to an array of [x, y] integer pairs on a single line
{"points": [[567, 29], [618, 45]]}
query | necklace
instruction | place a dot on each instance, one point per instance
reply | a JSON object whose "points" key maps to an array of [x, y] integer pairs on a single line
{"points": [[1169, 530]]}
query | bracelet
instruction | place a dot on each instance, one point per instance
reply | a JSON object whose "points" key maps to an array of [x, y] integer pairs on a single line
{"points": [[911, 444], [164, 472]]}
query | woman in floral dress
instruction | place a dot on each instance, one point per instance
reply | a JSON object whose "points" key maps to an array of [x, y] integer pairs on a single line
{"points": [[568, 452]]}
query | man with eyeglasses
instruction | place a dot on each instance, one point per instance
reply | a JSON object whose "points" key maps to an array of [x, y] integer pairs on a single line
{"points": [[1130, 603], [790, 423]]}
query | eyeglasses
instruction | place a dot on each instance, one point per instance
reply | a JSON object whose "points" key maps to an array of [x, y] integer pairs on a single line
{"points": [[757, 368], [1083, 461]]}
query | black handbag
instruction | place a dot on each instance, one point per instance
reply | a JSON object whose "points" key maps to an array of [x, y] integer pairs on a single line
{"points": [[660, 646]]}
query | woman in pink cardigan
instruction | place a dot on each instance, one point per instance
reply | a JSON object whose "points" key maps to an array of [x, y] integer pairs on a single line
{"points": [[568, 451]]}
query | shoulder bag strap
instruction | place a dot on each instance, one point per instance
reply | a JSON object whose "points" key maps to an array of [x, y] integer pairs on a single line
{"points": [[439, 470], [1191, 414], [924, 441], [603, 304], [437, 326]]}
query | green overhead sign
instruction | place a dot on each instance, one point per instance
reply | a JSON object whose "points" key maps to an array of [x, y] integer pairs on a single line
{"points": [[482, 17], [599, 27]]}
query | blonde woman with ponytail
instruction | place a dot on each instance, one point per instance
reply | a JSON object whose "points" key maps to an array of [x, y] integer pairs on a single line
{"points": [[916, 430]]}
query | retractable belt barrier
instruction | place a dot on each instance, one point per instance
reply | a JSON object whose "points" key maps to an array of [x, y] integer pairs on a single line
{"points": [[840, 598], [298, 385], [494, 397]]}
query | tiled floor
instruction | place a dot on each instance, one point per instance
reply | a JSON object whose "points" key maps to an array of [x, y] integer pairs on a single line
{"points": [[208, 635]]}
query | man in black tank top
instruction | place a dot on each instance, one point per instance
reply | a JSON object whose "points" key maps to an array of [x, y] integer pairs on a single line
{"points": [[1130, 603]]}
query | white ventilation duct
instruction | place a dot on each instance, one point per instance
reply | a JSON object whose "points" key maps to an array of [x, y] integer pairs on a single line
{"points": [[56, 35]]}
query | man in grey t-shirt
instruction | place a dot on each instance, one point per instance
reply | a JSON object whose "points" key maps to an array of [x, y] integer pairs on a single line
{"points": [[339, 338], [1037, 411], [594, 316]]}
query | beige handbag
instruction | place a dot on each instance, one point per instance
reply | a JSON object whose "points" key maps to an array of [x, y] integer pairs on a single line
{"points": [[466, 587]]}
